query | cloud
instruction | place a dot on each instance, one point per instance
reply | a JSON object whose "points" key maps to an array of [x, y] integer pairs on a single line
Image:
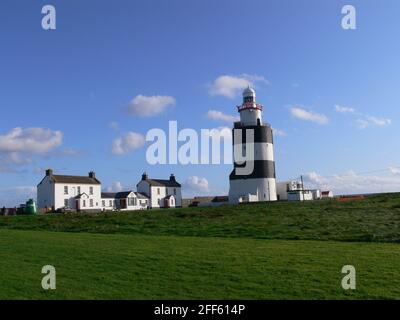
{"points": [[342, 109], [279, 133], [18, 146], [230, 86], [364, 121], [197, 184], [14, 196], [115, 187], [129, 143], [370, 121], [218, 115], [30, 140], [353, 183], [394, 170], [305, 115], [149, 106]]}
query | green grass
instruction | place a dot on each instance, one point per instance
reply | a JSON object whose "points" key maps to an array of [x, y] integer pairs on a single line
{"points": [[263, 251], [91, 266], [376, 219]]}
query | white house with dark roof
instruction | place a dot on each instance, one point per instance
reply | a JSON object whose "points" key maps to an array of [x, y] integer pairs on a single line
{"points": [[74, 192], [161, 193], [124, 201]]}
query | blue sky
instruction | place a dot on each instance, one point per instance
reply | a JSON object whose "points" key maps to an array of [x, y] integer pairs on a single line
{"points": [[75, 85]]}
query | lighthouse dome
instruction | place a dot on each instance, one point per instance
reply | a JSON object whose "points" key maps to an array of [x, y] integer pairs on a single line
{"points": [[249, 92]]}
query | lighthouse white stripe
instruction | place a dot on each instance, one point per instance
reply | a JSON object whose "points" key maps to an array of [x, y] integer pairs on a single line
{"points": [[262, 151]]}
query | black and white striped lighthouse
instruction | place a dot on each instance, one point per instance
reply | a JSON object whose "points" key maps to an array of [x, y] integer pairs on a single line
{"points": [[259, 184]]}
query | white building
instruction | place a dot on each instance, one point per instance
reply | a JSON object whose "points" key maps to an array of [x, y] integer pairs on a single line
{"points": [[327, 195], [124, 201], [161, 193], [260, 184], [83, 193], [294, 191], [74, 192]]}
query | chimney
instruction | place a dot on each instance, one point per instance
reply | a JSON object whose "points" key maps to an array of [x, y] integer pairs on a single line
{"points": [[172, 178], [144, 176], [49, 172], [92, 175]]}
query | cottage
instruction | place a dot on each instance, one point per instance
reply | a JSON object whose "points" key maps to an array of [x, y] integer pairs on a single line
{"points": [[69, 192], [127, 200], [161, 193]]}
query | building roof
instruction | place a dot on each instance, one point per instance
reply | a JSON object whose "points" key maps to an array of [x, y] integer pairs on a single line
{"points": [[122, 195], [108, 195], [163, 183], [80, 196], [141, 195], [74, 179]]}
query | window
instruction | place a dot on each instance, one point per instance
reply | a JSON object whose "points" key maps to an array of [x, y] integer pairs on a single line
{"points": [[66, 203], [79, 190], [131, 201], [174, 191], [91, 190], [158, 191], [84, 204], [103, 203], [91, 203], [66, 190], [111, 203]]}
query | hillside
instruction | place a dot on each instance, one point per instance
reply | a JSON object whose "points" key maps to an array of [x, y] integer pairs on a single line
{"points": [[375, 219]]}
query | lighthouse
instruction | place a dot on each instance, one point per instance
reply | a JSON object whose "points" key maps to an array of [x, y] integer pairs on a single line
{"points": [[252, 134]]}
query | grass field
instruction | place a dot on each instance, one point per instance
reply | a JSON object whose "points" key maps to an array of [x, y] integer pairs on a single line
{"points": [[264, 251]]}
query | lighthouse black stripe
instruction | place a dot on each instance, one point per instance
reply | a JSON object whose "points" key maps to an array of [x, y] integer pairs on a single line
{"points": [[262, 169], [261, 134]]}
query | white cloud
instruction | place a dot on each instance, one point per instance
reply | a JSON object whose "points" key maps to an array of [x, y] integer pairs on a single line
{"points": [[230, 86], [197, 184], [149, 106], [218, 115], [305, 115], [394, 170], [115, 187], [18, 146], [353, 183], [30, 140], [342, 109], [369, 121], [130, 142], [279, 133]]}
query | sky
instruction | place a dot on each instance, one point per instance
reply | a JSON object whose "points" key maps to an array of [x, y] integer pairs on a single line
{"points": [[83, 97]]}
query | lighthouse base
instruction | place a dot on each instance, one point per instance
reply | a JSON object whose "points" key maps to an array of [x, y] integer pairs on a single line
{"points": [[252, 190]]}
